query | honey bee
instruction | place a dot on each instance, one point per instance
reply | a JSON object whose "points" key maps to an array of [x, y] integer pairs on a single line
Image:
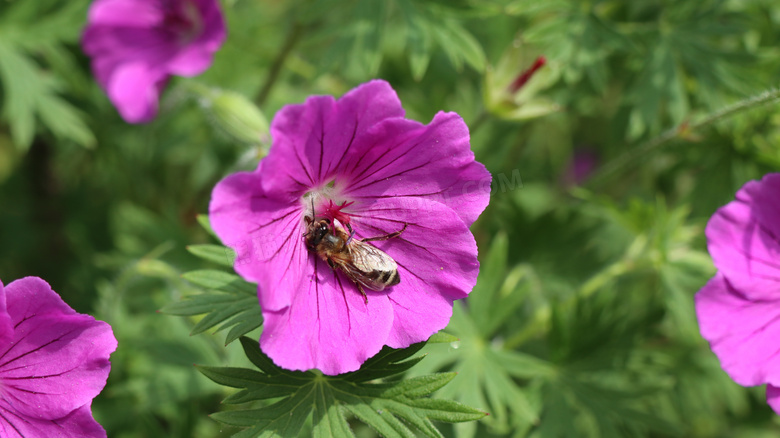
{"points": [[364, 264]]}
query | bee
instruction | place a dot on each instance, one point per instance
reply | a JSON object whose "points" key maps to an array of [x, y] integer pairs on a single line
{"points": [[364, 264]]}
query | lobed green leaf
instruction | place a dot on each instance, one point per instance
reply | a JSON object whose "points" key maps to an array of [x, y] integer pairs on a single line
{"points": [[387, 406]]}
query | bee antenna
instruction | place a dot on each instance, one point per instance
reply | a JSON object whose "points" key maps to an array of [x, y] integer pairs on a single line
{"points": [[351, 234]]}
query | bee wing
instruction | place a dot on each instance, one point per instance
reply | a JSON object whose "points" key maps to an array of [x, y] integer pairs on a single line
{"points": [[368, 258], [369, 266]]}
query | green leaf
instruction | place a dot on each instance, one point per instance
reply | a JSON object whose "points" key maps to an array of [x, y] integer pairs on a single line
{"points": [[419, 50], [229, 302], [244, 323], [218, 254], [33, 43], [498, 293], [470, 49], [30, 93], [486, 371], [203, 220], [220, 280], [442, 338], [394, 408]]}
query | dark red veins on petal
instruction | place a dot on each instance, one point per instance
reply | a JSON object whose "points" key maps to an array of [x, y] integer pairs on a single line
{"points": [[8, 422], [286, 242], [59, 338], [401, 237], [296, 248], [16, 326], [365, 172], [322, 144], [274, 221], [746, 252], [34, 377], [303, 166], [349, 145], [397, 221], [391, 176]]}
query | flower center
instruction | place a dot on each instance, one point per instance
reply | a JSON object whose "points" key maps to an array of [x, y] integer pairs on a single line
{"points": [[182, 18], [327, 202]]}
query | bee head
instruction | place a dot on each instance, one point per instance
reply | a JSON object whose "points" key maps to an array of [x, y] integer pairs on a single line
{"points": [[316, 231]]}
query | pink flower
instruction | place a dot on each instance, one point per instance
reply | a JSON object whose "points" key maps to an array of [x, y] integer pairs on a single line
{"points": [[739, 309], [53, 362], [581, 167], [358, 162], [135, 46]]}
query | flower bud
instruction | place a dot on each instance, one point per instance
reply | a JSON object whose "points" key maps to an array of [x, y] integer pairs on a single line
{"points": [[521, 79], [515, 91], [237, 116]]}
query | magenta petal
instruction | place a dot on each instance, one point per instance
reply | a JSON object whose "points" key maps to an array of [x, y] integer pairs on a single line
{"points": [[437, 263], [77, 424], [406, 158], [6, 326], [191, 62], [266, 234], [744, 239], [125, 13], [765, 195], [194, 59], [134, 91], [311, 139], [328, 325], [214, 28], [58, 360], [743, 333], [135, 46], [773, 398]]}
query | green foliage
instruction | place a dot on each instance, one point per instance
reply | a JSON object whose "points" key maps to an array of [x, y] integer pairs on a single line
{"points": [[29, 90], [234, 307], [331, 400], [376, 30], [582, 323]]}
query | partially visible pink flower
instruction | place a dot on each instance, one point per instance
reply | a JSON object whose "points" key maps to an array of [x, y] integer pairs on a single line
{"points": [[581, 167], [739, 309], [53, 362], [136, 45], [356, 160]]}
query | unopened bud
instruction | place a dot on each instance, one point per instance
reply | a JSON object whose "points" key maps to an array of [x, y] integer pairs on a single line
{"points": [[239, 117], [526, 75]]}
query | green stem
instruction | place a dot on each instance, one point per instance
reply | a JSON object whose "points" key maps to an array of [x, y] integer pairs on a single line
{"points": [[293, 36], [629, 159]]}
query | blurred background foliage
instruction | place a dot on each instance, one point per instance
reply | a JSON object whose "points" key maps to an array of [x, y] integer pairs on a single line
{"points": [[582, 322]]}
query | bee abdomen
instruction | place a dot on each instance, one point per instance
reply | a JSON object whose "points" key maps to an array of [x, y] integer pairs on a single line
{"points": [[387, 278]]}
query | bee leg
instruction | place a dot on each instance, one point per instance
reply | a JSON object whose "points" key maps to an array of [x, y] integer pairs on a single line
{"points": [[387, 236], [332, 265], [362, 292]]}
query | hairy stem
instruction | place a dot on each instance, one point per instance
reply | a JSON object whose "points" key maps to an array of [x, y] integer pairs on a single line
{"points": [[629, 159], [294, 34]]}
